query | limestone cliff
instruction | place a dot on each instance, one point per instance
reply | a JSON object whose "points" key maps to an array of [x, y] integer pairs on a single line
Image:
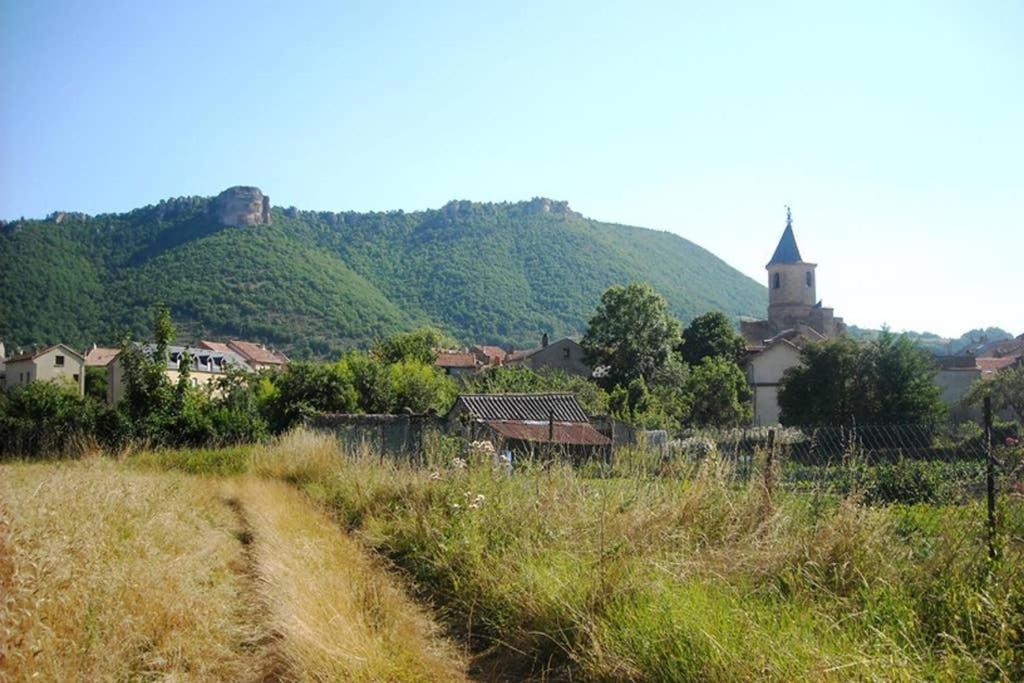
{"points": [[241, 206]]}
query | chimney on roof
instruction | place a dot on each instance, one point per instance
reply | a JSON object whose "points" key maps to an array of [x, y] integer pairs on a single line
{"points": [[544, 341]]}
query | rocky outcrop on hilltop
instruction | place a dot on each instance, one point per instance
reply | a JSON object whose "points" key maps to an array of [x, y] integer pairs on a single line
{"points": [[241, 206]]}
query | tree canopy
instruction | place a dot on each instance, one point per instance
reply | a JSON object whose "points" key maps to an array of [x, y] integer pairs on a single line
{"points": [[632, 334], [841, 381], [711, 335]]}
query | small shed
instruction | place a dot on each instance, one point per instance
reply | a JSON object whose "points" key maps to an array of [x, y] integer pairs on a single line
{"points": [[529, 425]]}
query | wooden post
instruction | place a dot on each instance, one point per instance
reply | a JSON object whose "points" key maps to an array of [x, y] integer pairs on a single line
{"points": [[769, 464], [990, 481]]}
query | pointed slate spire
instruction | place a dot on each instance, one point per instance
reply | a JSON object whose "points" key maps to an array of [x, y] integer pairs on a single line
{"points": [[787, 251]]}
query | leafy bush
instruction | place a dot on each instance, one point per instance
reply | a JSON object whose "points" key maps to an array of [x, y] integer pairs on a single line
{"points": [[44, 418]]}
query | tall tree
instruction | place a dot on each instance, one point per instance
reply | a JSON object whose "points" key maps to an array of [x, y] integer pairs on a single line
{"points": [[886, 381], [420, 345], [719, 393], [632, 334], [711, 335]]}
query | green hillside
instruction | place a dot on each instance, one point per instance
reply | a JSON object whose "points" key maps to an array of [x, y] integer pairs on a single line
{"points": [[317, 282]]}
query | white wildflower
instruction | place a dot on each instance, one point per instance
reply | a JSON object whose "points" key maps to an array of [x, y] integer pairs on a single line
{"points": [[459, 464]]}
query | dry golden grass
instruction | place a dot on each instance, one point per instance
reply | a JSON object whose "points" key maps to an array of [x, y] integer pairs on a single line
{"points": [[338, 615], [107, 574]]}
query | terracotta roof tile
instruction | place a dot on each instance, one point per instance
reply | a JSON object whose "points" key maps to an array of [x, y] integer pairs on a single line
{"points": [[990, 366], [257, 353], [214, 346], [99, 356], [456, 360]]}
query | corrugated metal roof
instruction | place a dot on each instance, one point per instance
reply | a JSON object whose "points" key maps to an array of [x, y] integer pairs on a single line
{"points": [[540, 432], [523, 407]]}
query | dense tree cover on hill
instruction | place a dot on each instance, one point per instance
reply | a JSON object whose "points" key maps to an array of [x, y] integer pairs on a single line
{"points": [[318, 283]]}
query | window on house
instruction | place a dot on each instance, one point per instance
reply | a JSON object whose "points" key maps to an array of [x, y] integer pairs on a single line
{"points": [[776, 281], [810, 278], [59, 361], [75, 377], [565, 352]]}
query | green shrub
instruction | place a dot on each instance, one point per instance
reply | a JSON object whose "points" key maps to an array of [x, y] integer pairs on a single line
{"points": [[43, 419]]}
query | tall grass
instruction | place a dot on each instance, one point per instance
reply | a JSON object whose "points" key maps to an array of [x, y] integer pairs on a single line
{"points": [[549, 571], [114, 575], [339, 616]]}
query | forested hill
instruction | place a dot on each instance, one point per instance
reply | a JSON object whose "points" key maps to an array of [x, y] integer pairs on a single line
{"points": [[315, 282]]}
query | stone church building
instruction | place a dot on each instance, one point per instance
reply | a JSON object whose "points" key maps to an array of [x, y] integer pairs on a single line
{"points": [[795, 317]]}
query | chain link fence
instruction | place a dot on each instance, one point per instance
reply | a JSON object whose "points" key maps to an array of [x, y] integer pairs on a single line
{"points": [[970, 475]]}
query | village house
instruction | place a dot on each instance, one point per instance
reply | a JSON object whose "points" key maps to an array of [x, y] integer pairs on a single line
{"points": [[795, 317], [957, 374], [58, 363], [457, 363], [257, 356], [489, 355], [529, 425], [206, 367], [565, 355]]}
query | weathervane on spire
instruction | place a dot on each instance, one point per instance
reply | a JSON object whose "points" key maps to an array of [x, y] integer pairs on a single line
{"points": [[789, 217]]}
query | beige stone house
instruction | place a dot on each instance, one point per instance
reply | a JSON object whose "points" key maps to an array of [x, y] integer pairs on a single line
{"points": [[58, 363], [764, 372], [206, 367]]}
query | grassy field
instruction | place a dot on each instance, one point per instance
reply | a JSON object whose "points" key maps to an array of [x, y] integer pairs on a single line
{"points": [[556, 573], [110, 572], [280, 561]]}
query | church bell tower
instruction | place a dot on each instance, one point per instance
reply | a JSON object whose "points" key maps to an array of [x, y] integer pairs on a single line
{"points": [[791, 282]]}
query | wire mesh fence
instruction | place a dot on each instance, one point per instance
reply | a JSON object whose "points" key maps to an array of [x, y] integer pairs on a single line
{"points": [[966, 476]]}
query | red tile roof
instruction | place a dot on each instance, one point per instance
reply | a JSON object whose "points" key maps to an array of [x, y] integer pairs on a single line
{"points": [[99, 356], [456, 360], [989, 366], [257, 353], [495, 353], [214, 346], [578, 434]]}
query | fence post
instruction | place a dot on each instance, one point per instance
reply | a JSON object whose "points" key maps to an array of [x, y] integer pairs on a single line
{"points": [[990, 481], [769, 464]]}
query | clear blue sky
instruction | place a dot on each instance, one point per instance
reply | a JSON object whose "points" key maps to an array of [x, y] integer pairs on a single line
{"points": [[895, 129]]}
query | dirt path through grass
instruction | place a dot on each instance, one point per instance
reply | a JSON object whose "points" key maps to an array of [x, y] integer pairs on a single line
{"points": [[337, 613], [110, 573]]}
